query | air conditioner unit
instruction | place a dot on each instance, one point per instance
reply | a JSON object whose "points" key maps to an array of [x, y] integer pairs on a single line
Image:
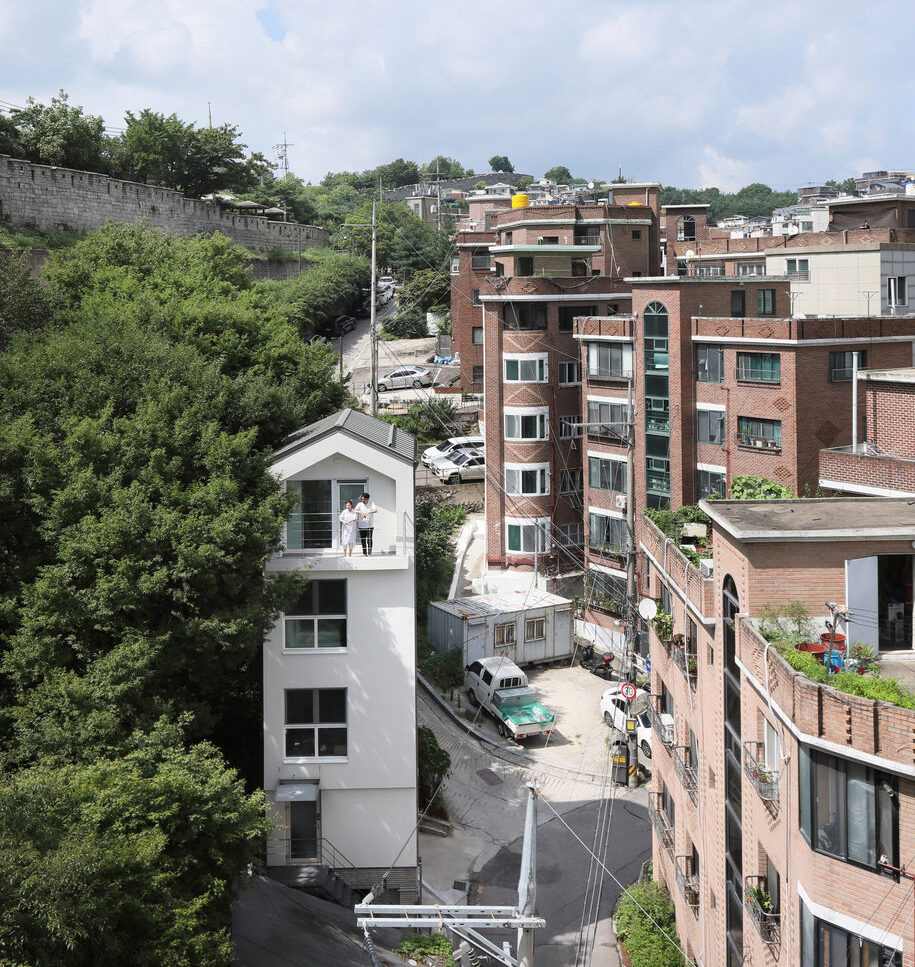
{"points": [[706, 566], [620, 501], [759, 442]]}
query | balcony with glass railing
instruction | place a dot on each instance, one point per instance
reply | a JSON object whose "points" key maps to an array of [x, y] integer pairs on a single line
{"points": [[315, 537], [688, 881], [662, 825], [763, 775], [759, 909], [686, 772]]}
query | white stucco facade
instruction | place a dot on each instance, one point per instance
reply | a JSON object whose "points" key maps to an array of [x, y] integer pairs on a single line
{"points": [[346, 759]]}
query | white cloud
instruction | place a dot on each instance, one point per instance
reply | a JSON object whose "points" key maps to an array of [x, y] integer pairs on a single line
{"points": [[728, 174]]}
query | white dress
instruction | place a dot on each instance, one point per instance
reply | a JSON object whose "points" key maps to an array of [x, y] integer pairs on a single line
{"points": [[347, 528]]}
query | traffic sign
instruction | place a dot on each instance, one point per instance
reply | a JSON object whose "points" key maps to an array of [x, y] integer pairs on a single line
{"points": [[628, 691]]}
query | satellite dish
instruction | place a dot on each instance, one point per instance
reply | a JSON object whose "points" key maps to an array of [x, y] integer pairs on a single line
{"points": [[590, 184], [690, 254], [647, 609]]}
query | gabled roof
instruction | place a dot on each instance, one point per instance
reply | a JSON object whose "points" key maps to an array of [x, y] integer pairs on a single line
{"points": [[361, 426]]}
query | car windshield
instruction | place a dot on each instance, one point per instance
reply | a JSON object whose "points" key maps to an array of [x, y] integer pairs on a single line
{"points": [[461, 458]]}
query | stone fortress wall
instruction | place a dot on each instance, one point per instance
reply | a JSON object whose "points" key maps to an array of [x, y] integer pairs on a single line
{"points": [[61, 199]]}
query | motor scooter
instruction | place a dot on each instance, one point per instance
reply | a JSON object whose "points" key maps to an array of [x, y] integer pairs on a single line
{"points": [[603, 667]]}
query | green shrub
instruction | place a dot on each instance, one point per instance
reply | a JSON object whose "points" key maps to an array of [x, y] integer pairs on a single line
{"points": [[757, 488], [433, 764], [407, 324], [418, 948], [638, 929]]}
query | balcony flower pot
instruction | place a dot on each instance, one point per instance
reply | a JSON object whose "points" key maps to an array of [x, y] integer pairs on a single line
{"points": [[813, 648], [838, 641]]}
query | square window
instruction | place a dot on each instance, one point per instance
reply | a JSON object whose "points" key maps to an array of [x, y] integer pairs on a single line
{"points": [[636, 234], [534, 629]]}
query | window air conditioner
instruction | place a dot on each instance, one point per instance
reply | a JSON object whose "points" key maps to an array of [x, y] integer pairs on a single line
{"points": [[706, 567], [620, 501]]}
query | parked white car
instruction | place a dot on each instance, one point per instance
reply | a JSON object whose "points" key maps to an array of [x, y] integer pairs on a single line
{"points": [[469, 465], [615, 710], [451, 448], [405, 376]]}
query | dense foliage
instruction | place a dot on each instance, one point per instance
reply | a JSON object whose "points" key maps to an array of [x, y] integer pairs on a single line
{"points": [[758, 488], [141, 394], [433, 764], [644, 915], [755, 199]]}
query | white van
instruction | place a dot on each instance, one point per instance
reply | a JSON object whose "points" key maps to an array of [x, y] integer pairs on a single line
{"points": [[451, 448]]}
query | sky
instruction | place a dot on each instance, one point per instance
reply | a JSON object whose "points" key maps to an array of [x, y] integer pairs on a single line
{"points": [[693, 94]]}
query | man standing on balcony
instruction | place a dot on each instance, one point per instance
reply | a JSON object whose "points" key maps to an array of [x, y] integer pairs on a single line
{"points": [[366, 511]]}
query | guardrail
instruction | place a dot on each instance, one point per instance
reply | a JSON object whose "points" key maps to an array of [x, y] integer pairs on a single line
{"points": [[687, 881], [763, 776], [686, 771], [767, 922], [661, 823]]}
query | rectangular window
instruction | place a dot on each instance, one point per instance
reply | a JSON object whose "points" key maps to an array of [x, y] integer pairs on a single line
{"points": [[710, 483], [527, 426], [606, 533], [606, 591], [609, 360], [570, 481], [532, 369], [477, 374], [609, 421], [475, 297], [527, 483], [568, 427], [738, 303], [826, 945], [315, 723], [710, 364], [765, 302], [477, 335], [751, 268], [764, 434], [710, 270], [527, 538], [318, 618], [568, 313], [569, 374], [636, 234], [710, 426], [505, 633], [525, 316], [841, 365], [607, 474], [895, 290], [480, 260], [524, 266], [759, 367], [798, 269], [572, 535], [313, 524], [534, 629]]}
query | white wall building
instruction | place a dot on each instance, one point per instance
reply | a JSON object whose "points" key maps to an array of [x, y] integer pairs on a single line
{"points": [[339, 667]]}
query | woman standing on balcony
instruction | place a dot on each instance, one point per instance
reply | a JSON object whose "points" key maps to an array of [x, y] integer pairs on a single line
{"points": [[348, 529]]}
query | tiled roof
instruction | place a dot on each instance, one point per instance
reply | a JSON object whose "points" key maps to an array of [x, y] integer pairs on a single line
{"points": [[363, 427]]}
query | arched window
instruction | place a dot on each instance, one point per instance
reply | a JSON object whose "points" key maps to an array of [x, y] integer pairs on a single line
{"points": [[686, 228], [655, 318]]}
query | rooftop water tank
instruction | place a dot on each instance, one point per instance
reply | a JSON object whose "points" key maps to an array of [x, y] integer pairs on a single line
{"points": [[520, 200]]}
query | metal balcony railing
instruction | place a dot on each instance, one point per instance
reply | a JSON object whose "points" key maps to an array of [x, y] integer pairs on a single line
{"points": [[587, 239], [688, 881], [317, 534], [762, 775], [662, 722], [686, 771], [753, 374], [688, 663], [767, 922], [609, 372], [662, 825], [657, 482], [799, 275], [758, 442]]}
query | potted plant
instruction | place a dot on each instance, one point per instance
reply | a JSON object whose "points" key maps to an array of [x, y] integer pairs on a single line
{"points": [[759, 896], [664, 626], [863, 658], [764, 773]]}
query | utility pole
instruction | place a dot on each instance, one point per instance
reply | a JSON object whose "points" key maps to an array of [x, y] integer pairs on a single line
{"points": [[282, 152], [527, 880], [633, 775], [210, 113], [869, 294], [438, 188], [373, 324]]}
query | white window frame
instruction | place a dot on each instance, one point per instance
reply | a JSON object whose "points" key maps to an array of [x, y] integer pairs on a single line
{"points": [[519, 412], [746, 269], [567, 539], [540, 525], [537, 625], [314, 619], [565, 368], [708, 408], [893, 286], [610, 457], [539, 361], [504, 633], [514, 479], [611, 515], [598, 348], [316, 726], [567, 481], [569, 428]]}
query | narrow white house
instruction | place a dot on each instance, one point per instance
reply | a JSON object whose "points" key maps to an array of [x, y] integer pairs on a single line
{"points": [[339, 666]]}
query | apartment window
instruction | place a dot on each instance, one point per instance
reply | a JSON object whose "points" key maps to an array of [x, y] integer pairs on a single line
{"points": [[570, 481], [710, 270], [751, 268], [526, 537], [568, 313], [568, 427], [526, 426], [525, 316], [572, 535], [765, 434], [710, 426], [848, 810], [636, 234], [710, 483], [709, 364], [477, 374], [475, 297], [609, 360], [505, 633], [607, 591], [666, 600], [606, 532], [607, 474], [841, 364], [738, 303], [686, 228], [534, 629], [525, 369], [315, 723], [765, 302], [480, 260], [569, 373], [313, 523], [527, 482], [456, 265], [318, 618], [477, 335], [608, 420], [524, 266], [759, 367], [825, 945], [895, 290], [798, 269]]}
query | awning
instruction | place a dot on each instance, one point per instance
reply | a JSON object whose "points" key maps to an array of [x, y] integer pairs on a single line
{"points": [[296, 792]]}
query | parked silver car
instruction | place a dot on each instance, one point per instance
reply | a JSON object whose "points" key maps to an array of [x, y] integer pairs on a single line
{"points": [[451, 448], [469, 465], [405, 376]]}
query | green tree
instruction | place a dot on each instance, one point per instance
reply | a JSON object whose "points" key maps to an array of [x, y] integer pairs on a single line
{"points": [[845, 187], [499, 162], [524, 181], [409, 323], [153, 148], [58, 134], [559, 173], [646, 925], [428, 290], [447, 167], [334, 284], [25, 305], [216, 160], [133, 858], [758, 488], [433, 764], [396, 173]]}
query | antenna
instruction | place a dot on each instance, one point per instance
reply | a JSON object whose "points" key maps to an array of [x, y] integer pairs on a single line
{"points": [[282, 152]]}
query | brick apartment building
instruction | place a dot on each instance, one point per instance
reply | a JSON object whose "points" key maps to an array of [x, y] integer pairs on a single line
{"points": [[882, 464], [762, 778]]}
